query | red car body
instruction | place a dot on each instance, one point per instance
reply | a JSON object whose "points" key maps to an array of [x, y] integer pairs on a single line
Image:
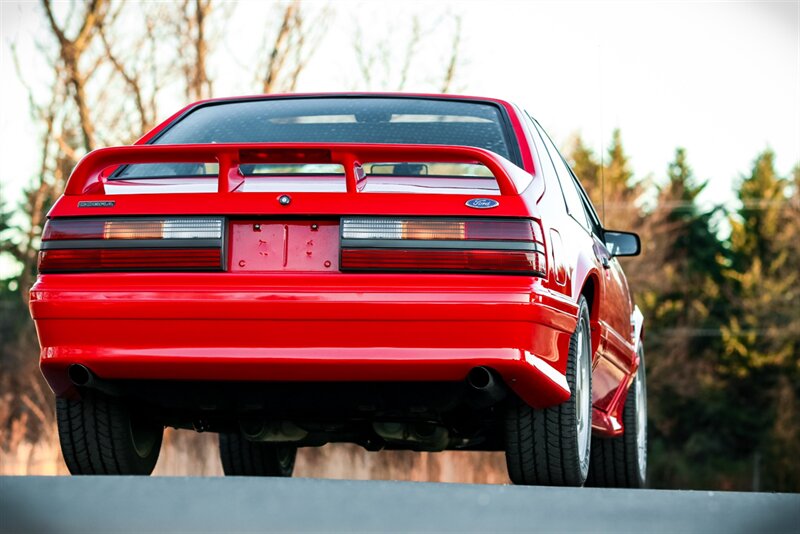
{"points": [[293, 316]]}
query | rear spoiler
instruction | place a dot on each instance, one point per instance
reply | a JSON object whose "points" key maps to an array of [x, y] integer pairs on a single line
{"points": [[90, 174]]}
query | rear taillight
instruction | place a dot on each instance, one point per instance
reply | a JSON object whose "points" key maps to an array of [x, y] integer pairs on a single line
{"points": [[513, 246], [141, 244]]}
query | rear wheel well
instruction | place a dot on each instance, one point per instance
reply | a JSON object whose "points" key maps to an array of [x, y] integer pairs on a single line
{"points": [[589, 292]]}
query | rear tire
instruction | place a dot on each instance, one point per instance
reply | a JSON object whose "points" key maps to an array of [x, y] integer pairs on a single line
{"points": [[241, 457], [621, 462], [101, 435], [551, 446]]}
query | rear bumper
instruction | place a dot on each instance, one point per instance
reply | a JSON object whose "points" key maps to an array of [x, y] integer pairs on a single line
{"points": [[302, 327]]}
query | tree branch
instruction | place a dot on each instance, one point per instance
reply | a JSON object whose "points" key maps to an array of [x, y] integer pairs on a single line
{"points": [[57, 31], [450, 73], [278, 54], [131, 81]]}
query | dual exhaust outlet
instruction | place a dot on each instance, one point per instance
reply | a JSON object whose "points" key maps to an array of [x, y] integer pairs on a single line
{"points": [[485, 389]]}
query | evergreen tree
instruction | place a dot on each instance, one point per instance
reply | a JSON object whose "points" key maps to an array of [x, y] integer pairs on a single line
{"points": [[679, 295], [763, 199], [6, 244], [783, 467], [621, 194], [761, 339], [584, 163], [617, 173], [696, 238], [763, 282], [609, 184]]}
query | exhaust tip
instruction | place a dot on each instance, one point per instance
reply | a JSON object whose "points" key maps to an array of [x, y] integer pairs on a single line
{"points": [[480, 378], [79, 374]]}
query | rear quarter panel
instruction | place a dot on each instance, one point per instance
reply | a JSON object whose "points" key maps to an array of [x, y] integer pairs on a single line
{"points": [[573, 264]]}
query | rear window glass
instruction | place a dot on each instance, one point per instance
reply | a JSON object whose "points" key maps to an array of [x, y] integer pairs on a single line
{"points": [[336, 120]]}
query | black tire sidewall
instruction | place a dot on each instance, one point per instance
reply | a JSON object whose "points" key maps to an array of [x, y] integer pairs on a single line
{"points": [[583, 317], [543, 445], [95, 432], [631, 421]]}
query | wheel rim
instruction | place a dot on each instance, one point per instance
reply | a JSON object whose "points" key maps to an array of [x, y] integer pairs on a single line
{"points": [[641, 416], [582, 394], [143, 437]]}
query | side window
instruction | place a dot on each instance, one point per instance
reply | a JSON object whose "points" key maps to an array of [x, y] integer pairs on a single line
{"points": [[571, 194], [591, 213]]}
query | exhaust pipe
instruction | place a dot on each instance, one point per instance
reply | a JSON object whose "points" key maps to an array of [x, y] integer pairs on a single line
{"points": [[485, 389], [82, 377], [480, 378]]}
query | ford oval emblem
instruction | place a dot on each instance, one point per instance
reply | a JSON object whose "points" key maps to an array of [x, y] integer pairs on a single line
{"points": [[482, 203]]}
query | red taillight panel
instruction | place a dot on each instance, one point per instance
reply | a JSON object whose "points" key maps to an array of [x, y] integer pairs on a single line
{"points": [[132, 244], [439, 260], [129, 259], [512, 246]]}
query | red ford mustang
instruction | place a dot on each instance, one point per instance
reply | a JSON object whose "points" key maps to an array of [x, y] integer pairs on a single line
{"points": [[398, 271]]}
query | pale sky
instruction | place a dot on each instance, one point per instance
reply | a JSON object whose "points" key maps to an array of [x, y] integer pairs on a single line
{"points": [[720, 78]]}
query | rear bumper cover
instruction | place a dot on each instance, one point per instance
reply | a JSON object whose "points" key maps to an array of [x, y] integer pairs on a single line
{"points": [[304, 327]]}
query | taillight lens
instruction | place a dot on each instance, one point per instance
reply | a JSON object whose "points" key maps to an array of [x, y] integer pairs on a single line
{"points": [[513, 246], [141, 244]]}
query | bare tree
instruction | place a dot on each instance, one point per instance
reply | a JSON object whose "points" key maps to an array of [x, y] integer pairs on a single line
{"points": [[411, 50], [201, 84], [40, 191], [145, 104], [455, 49], [377, 60], [365, 57], [105, 82], [189, 26], [66, 118], [77, 112], [94, 84], [71, 50], [279, 53], [295, 41]]}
